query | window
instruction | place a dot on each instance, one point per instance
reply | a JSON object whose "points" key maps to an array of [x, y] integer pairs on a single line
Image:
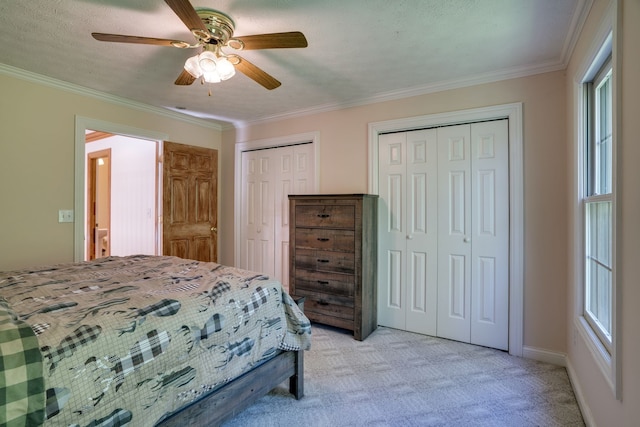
{"points": [[598, 206]]}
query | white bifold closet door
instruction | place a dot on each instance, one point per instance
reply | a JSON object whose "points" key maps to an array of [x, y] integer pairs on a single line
{"points": [[444, 232], [269, 176], [408, 225]]}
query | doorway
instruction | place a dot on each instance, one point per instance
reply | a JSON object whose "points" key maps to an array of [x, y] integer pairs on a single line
{"points": [[98, 203], [512, 112], [81, 233], [122, 195]]}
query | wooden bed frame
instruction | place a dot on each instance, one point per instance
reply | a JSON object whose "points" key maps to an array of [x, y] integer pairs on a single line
{"points": [[229, 400]]}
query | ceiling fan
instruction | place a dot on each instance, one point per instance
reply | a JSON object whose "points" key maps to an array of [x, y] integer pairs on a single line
{"points": [[213, 30]]}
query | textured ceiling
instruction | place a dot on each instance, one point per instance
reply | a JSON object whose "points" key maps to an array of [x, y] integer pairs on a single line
{"points": [[359, 50]]}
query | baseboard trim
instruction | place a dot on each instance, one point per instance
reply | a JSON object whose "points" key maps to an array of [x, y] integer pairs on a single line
{"points": [[561, 359], [542, 355], [577, 391]]}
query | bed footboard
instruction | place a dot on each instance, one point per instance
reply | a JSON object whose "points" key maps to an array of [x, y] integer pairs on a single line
{"points": [[232, 398]]}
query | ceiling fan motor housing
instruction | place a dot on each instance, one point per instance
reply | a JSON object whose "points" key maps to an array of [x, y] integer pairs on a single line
{"points": [[220, 27]]}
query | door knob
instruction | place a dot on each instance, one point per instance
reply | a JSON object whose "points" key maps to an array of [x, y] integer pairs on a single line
{"points": [[214, 229], [409, 237], [467, 239]]}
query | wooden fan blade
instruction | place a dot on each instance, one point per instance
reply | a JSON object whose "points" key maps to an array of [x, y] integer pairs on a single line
{"points": [[255, 73], [274, 41], [119, 38], [185, 79], [187, 14]]}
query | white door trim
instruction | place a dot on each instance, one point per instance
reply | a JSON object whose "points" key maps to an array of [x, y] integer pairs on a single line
{"points": [[513, 112], [314, 137]]}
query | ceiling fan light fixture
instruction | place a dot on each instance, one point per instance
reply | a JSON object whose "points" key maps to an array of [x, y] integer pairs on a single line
{"points": [[207, 61], [211, 77], [193, 67], [225, 69], [211, 67]]}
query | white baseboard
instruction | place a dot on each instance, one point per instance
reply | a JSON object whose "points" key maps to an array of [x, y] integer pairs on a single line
{"points": [[542, 355], [561, 359], [577, 390]]}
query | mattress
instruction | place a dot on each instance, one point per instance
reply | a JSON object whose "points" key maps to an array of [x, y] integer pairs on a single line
{"points": [[130, 340]]}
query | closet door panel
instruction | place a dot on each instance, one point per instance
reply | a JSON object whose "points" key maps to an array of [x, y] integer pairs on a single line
{"points": [[422, 234], [392, 231], [257, 218], [284, 182], [454, 232], [490, 249]]}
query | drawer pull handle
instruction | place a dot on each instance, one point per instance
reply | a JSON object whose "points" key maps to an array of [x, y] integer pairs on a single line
{"points": [[323, 239], [321, 302], [323, 282], [323, 215], [323, 260]]}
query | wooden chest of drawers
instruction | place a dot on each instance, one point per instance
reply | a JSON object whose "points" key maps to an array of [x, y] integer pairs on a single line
{"points": [[333, 252]]}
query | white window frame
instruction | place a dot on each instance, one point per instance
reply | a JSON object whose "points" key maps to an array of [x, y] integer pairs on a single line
{"points": [[607, 357], [595, 195]]}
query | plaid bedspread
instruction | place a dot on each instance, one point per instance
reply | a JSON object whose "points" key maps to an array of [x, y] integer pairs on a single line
{"points": [[21, 373], [127, 341]]}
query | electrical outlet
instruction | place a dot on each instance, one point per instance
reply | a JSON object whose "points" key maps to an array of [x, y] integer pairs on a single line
{"points": [[65, 215]]}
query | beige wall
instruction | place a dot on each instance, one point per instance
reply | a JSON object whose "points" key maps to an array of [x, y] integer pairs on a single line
{"points": [[344, 169], [36, 179], [596, 394], [37, 136]]}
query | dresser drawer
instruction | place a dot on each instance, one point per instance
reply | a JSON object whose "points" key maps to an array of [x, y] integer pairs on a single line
{"points": [[325, 239], [318, 305], [319, 311], [329, 283], [337, 262], [329, 216]]}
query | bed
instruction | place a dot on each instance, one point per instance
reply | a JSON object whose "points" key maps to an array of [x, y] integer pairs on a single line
{"points": [[144, 340]]}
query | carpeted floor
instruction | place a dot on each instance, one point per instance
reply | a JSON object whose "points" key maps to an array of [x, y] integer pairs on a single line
{"points": [[397, 378]]}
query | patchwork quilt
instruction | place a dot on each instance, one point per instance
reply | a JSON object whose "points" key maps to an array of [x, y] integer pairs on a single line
{"points": [[129, 340]]}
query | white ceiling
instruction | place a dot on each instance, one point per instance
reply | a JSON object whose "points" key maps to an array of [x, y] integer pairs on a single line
{"points": [[359, 51]]}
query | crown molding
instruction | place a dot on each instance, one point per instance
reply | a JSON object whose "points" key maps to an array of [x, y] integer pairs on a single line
{"points": [[441, 86], [583, 7], [102, 96], [580, 14]]}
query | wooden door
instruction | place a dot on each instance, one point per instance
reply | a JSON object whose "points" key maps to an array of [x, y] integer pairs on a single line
{"points": [[190, 202]]}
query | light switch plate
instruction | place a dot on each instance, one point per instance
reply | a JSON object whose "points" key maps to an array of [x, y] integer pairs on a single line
{"points": [[65, 215]]}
